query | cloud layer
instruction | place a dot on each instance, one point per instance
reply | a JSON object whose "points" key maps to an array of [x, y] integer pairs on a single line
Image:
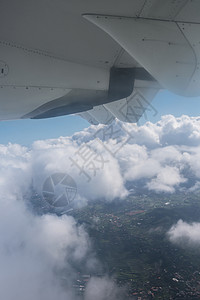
{"points": [[102, 160]]}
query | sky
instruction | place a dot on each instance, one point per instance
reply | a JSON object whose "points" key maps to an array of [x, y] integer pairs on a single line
{"points": [[25, 132]]}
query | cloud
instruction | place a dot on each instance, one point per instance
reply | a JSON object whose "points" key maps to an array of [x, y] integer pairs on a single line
{"points": [[180, 131], [166, 179], [185, 234], [94, 173], [102, 159], [35, 250], [103, 289], [164, 154]]}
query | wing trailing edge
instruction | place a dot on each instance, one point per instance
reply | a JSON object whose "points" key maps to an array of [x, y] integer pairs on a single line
{"points": [[128, 110], [169, 51]]}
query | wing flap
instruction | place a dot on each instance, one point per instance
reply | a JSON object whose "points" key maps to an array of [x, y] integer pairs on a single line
{"points": [[99, 115], [161, 47], [129, 109], [133, 107]]}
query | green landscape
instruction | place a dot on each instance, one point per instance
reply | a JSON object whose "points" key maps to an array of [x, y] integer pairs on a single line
{"points": [[130, 240]]}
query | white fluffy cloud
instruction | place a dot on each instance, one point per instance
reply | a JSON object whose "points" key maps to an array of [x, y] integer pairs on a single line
{"points": [[101, 160], [103, 289], [166, 179], [33, 248], [35, 251], [185, 234]]}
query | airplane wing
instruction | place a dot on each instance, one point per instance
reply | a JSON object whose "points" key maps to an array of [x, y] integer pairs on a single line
{"points": [[100, 59]]}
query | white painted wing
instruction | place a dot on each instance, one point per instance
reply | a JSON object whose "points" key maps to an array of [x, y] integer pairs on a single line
{"points": [[54, 62]]}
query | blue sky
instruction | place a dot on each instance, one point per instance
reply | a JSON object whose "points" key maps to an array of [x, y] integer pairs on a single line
{"points": [[24, 132]]}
